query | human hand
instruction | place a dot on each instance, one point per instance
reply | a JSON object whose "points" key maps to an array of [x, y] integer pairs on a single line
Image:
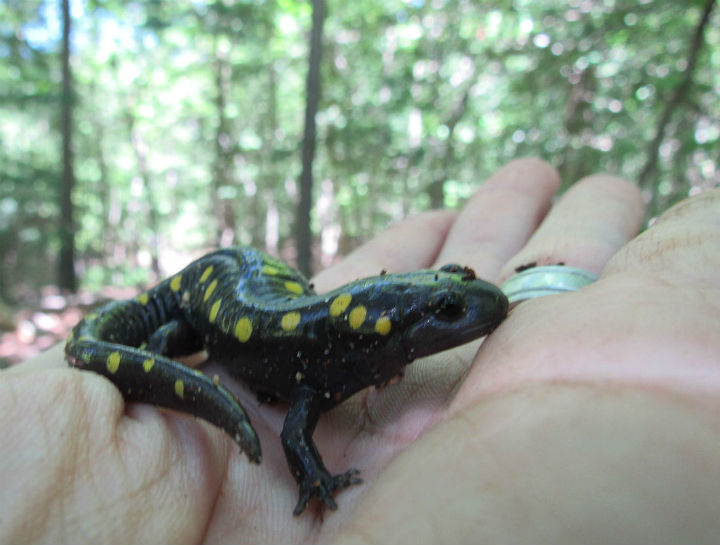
{"points": [[589, 417], [81, 467]]}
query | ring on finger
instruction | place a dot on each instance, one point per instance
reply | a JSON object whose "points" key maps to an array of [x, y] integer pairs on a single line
{"points": [[546, 280]]}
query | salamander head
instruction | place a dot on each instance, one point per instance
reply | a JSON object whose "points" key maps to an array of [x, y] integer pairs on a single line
{"points": [[407, 316], [448, 310]]}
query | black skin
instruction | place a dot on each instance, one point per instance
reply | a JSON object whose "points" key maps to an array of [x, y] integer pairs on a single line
{"points": [[263, 322]]}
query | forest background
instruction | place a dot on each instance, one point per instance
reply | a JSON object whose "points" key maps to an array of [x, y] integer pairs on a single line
{"points": [[134, 135]]}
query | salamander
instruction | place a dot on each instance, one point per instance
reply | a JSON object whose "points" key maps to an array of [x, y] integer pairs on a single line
{"points": [[262, 321]]}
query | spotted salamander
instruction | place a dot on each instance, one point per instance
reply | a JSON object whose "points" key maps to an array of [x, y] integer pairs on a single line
{"points": [[263, 322]]}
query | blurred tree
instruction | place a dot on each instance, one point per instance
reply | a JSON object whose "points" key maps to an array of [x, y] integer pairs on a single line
{"points": [[648, 174], [312, 94], [188, 119], [66, 260]]}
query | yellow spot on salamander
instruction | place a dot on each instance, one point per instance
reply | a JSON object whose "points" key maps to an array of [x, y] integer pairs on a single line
{"points": [[293, 287], [113, 362], [243, 329], [175, 282], [290, 321], [383, 325], [214, 310], [357, 316], [206, 273], [179, 388], [148, 364], [210, 289], [143, 298], [143, 345], [339, 304], [270, 270]]}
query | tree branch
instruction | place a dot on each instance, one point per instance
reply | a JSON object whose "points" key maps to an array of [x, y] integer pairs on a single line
{"points": [[647, 174]]}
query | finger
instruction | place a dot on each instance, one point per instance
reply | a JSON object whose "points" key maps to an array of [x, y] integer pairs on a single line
{"points": [[652, 318], [52, 357], [589, 223], [584, 229], [495, 223], [408, 245], [501, 216], [682, 246]]}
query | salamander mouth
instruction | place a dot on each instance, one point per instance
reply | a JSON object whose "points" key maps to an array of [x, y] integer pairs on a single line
{"points": [[419, 342]]}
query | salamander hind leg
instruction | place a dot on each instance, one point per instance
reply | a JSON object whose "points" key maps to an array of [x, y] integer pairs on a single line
{"points": [[304, 460], [174, 338]]}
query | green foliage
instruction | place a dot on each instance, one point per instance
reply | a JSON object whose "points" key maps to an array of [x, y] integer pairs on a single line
{"points": [[189, 115]]}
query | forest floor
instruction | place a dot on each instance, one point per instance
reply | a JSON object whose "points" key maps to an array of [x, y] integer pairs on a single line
{"points": [[29, 329]]}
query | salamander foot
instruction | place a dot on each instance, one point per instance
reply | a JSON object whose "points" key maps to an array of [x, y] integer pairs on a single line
{"points": [[322, 486]]}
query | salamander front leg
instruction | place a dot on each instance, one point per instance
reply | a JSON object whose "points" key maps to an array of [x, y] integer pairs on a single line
{"points": [[303, 458]]}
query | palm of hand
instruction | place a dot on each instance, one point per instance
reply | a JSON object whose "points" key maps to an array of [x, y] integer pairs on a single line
{"points": [[460, 447]]}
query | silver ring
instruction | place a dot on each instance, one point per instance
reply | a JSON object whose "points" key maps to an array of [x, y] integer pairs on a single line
{"points": [[546, 280]]}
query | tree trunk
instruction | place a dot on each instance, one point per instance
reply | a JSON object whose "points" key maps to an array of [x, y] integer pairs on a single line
{"points": [[269, 173], [436, 189], [224, 208], [67, 279], [312, 88], [140, 148]]}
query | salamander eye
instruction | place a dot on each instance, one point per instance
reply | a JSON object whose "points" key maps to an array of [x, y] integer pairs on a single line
{"points": [[466, 272], [447, 305]]}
